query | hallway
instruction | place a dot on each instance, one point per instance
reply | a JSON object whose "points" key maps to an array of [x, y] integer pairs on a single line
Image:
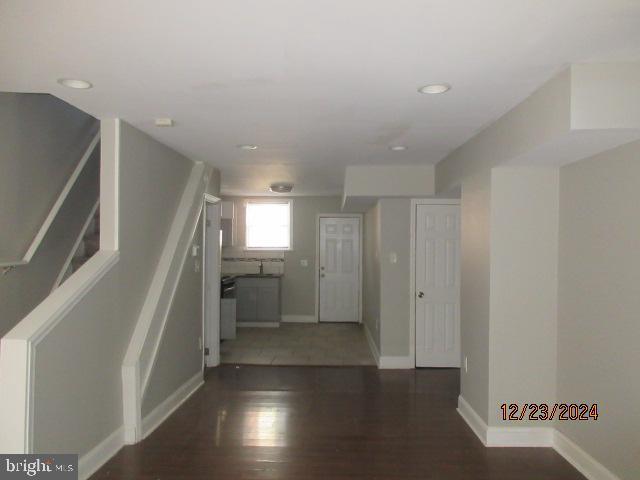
{"points": [[261, 422]]}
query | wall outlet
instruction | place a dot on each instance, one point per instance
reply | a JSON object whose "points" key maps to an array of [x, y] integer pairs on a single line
{"points": [[466, 364], [304, 262]]}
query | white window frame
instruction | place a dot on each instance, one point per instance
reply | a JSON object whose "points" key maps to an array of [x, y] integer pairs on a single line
{"points": [[267, 201]]}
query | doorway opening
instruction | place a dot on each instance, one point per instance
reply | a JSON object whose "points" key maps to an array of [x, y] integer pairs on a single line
{"points": [[211, 258]]}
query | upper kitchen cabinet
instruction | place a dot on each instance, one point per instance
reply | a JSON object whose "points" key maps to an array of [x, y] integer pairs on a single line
{"points": [[226, 222]]}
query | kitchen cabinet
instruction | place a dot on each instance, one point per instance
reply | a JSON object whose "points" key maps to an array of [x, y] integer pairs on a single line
{"points": [[258, 299]]}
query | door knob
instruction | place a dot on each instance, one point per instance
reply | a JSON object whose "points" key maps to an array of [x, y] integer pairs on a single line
{"points": [[420, 294]]}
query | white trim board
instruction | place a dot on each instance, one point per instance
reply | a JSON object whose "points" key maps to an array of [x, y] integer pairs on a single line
{"points": [[534, 437], [91, 461], [258, 325], [299, 319], [76, 244], [581, 460], [44, 228], [170, 404]]}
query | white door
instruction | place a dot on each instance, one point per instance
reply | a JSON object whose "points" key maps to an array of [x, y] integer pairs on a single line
{"points": [[212, 283], [438, 286], [339, 269]]}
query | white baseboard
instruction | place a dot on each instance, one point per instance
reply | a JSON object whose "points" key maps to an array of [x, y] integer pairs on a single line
{"points": [[504, 436], [469, 415], [90, 462], [395, 362], [299, 319], [372, 345], [258, 324], [159, 414], [534, 437], [581, 460]]}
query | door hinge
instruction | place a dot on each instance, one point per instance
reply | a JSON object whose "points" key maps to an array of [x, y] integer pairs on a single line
{"points": [[206, 351]]}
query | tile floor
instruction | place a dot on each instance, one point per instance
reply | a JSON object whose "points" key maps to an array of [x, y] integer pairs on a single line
{"points": [[327, 344]]}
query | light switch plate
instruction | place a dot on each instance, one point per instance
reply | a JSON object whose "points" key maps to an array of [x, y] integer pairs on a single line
{"points": [[304, 262], [393, 257]]}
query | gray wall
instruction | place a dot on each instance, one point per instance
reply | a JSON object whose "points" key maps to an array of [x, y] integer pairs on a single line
{"points": [[537, 120], [179, 357], [371, 274], [42, 139], [599, 304], [22, 289], [395, 218], [84, 353], [298, 283]]}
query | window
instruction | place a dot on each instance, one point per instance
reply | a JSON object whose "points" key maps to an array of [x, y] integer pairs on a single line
{"points": [[268, 225]]}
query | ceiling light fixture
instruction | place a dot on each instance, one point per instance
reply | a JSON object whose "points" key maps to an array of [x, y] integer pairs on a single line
{"points": [[248, 147], [435, 88], [281, 187], [164, 122], [75, 83], [397, 148]]}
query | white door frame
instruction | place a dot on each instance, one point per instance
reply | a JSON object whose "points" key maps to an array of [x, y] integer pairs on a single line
{"points": [[412, 266], [317, 262], [214, 350]]}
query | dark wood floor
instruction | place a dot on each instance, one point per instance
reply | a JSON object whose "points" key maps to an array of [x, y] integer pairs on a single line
{"points": [[264, 422]]}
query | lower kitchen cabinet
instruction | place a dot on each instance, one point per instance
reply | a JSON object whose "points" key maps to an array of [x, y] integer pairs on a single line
{"points": [[258, 299]]}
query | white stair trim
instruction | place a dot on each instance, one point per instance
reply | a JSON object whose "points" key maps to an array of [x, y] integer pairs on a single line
{"points": [[76, 244], [44, 228], [170, 404], [147, 336], [18, 348], [90, 462]]}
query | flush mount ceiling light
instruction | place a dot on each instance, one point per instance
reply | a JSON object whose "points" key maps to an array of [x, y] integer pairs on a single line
{"points": [[281, 187], [397, 148], [164, 122], [435, 88], [248, 147], [75, 83]]}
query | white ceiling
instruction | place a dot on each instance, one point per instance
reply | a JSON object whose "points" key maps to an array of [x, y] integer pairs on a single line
{"points": [[318, 85]]}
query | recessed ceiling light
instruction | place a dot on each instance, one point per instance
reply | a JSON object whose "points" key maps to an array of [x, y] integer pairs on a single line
{"points": [[248, 147], [75, 83], [281, 187], [397, 148], [435, 88]]}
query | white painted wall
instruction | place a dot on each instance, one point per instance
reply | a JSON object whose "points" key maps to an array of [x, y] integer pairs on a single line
{"points": [[599, 304]]}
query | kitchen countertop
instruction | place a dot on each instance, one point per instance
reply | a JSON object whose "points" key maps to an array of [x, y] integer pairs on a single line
{"points": [[253, 275]]}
